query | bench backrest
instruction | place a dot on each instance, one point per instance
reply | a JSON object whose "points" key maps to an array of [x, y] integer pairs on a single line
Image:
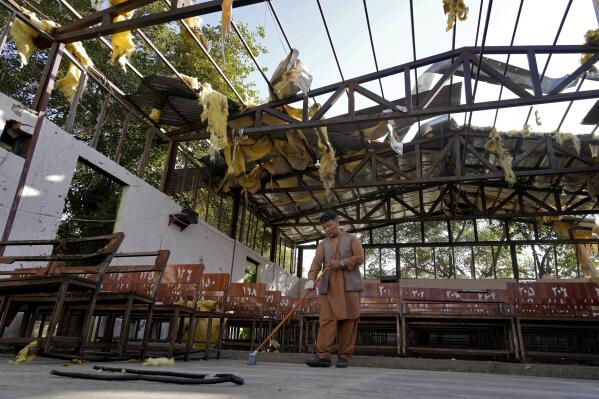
{"points": [[180, 283], [246, 298]]}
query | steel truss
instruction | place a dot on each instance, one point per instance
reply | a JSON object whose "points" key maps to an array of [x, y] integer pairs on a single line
{"points": [[413, 107]]}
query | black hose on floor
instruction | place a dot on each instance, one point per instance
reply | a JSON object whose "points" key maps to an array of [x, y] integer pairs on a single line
{"points": [[151, 375]]}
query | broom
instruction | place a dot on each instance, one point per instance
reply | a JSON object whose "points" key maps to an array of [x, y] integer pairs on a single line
{"points": [[252, 355]]}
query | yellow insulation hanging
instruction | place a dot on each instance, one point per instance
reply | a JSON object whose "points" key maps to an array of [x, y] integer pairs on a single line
{"points": [[77, 49], [495, 146], [454, 9], [155, 115], [225, 22], [247, 150], [562, 138], [591, 38], [192, 82], [195, 25], [215, 111], [328, 162], [24, 36], [586, 264], [122, 42], [294, 150], [68, 84]]}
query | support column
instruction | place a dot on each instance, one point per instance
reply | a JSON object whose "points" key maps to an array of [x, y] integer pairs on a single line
{"points": [[169, 167], [300, 261], [40, 103], [273, 243], [235, 213]]}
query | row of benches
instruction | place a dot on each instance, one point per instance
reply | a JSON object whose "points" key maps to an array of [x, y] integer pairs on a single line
{"points": [[86, 305]]}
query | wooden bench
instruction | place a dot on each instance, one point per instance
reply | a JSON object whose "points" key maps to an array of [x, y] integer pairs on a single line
{"points": [[379, 325], [245, 310], [176, 302], [557, 319], [470, 322]]}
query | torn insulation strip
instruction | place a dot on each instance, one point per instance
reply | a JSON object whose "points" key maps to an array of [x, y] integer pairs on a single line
{"points": [[122, 42], [495, 146], [591, 38], [454, 9], [562, 138], [24, 36], [68, 84], [328, 162], [290, 77], [215, 111]]}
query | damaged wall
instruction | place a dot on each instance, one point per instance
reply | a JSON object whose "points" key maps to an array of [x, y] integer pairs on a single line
{"points": [[143, 210]]}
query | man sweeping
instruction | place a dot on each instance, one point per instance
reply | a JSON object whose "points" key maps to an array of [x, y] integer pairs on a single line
{"points": [[339, 291]]}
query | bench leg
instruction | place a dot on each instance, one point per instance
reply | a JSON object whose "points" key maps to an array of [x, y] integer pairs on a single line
{"points": [[56, 313], [124, 336]]}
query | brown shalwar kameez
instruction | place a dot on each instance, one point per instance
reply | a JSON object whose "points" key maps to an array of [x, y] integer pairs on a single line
{"points": [[339, 308]]}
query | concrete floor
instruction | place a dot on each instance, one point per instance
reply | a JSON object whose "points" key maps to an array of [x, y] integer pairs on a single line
{"points": [[282, 380]]}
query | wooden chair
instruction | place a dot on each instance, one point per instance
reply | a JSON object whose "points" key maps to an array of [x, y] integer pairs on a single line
{"points": [[214, 287], [126, 290], [557, 319], [457, 322], [245, 310], [176, 302], [41, 292]]}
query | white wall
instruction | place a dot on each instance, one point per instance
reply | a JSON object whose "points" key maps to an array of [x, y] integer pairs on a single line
{"points": [[142, 215]]}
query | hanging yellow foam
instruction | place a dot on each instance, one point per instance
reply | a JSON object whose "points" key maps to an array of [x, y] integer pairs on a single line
{"points": [[495, 146], [562, 138], [454, 9], [192, 82], [77, 49], [122, 42], [328, 162], [225, 22], [195, 25], [215, 111], [24, 36], [586, 264], [155, 115], [294, 150], [68, 84], [26, 354], [590, 38]]}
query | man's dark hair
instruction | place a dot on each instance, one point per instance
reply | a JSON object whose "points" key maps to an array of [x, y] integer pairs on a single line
{"points": [[327, 215]]}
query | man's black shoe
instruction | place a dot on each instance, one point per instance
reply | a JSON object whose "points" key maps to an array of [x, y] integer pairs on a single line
{"points": [[341, 363], [318, 361]]}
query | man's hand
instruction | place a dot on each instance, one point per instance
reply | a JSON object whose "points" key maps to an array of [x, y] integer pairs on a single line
{"points": [[335, 264], [309, 285]]}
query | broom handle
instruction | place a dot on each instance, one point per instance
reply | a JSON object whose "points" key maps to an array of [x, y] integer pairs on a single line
{"points": [[288, 315]]}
